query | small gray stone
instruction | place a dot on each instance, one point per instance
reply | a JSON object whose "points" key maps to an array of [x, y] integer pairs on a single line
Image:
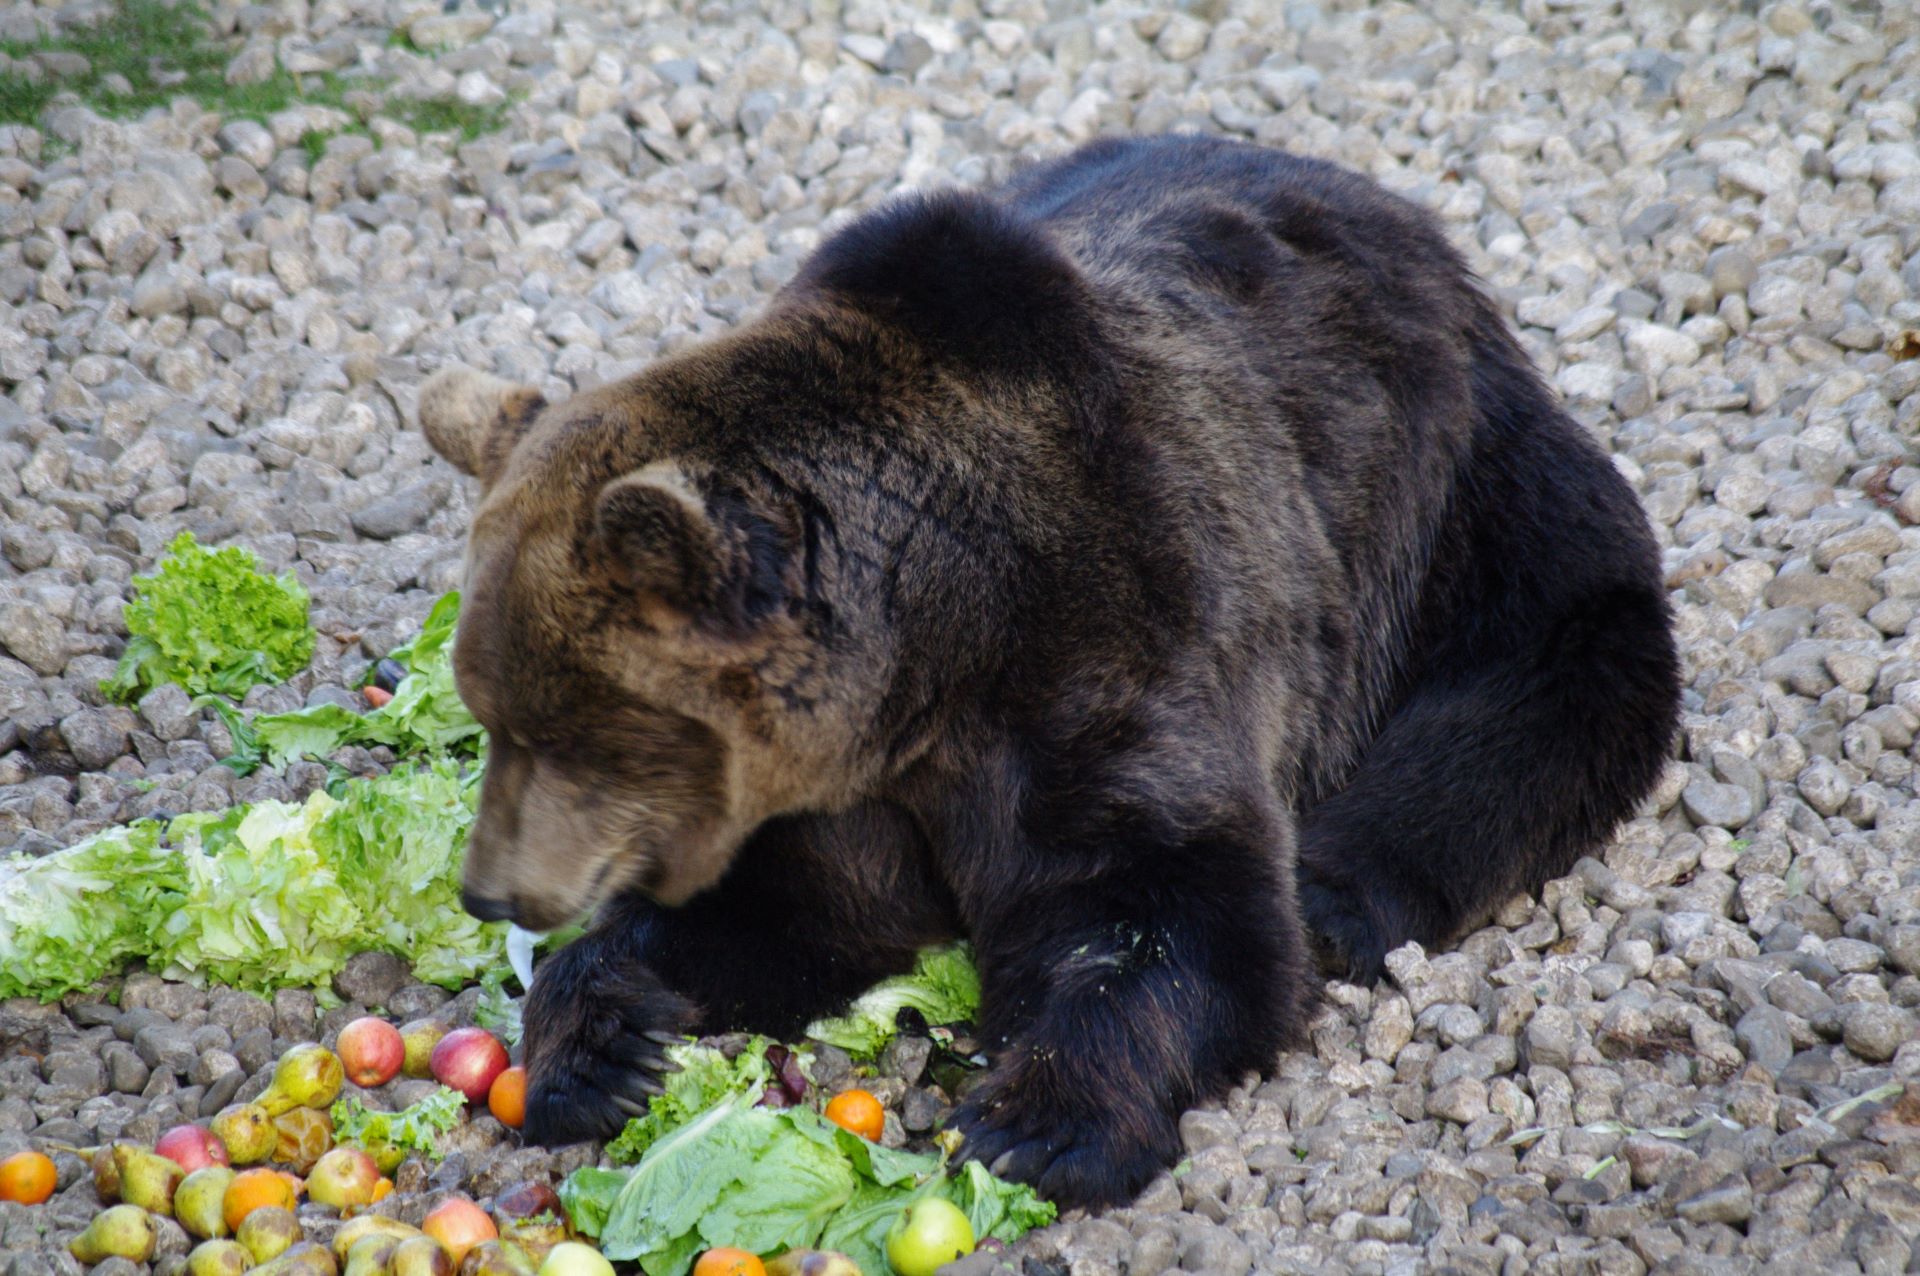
{"points": [[127, 1072], [239, 1012], [415, 1001], [401, 512], [1765, 1036], [1730, 270], [254, 1049], [1216, 1251], [1824, 787], [870, 49], [1650, 221], [221, 1090], [921, 1110], [96, 737], [906, 54], [1462, 1100], [1903, 948], [165, 1046], [211, 1066], [1729, 1201], [169, 712], [906, 1057], [295, 1014], [159, 292], [1875, 1031], [1709, 802], [1201, 1129], [33, 636], [370, 978], [1552, 1034]]}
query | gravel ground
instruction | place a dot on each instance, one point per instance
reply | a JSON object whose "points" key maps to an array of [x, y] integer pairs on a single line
{"points": [[1706, 225]]}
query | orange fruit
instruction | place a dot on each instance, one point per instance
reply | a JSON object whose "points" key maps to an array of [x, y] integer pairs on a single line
{"points": [[729, 1262], [252, 1189], [383, 1188], [507, 1098], [858, 1111], [27, 1177]]}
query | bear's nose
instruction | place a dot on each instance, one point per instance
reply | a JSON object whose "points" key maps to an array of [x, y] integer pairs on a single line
{"points": [[485, 907]]}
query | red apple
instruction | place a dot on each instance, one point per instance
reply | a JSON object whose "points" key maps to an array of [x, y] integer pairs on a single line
{"points": [[468, 1059], [371, 1051], [192, 1147], [344, 1178], [459, 1225]]}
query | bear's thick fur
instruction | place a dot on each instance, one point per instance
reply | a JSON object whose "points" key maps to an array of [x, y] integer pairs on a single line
{"points": [[1129, 568]]}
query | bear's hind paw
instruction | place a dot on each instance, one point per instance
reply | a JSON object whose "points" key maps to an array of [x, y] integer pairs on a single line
{"points": [[1343, 923]]}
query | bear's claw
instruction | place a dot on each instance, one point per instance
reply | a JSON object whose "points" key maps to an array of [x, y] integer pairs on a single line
{"points": [[595, 1018], [1068, 1160]]}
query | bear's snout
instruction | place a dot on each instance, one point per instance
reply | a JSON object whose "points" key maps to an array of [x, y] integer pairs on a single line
{"points": [[485, 907]]}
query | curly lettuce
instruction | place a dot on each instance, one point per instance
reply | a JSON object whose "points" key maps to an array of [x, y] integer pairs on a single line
{"points": [[70, 918], [943, 986], [211, 621], [411, 1129], [425, 716], [258, 897], [703, 1077]]}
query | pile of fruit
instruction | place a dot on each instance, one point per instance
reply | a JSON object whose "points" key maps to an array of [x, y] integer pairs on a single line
{"points": [[234, 1184]]}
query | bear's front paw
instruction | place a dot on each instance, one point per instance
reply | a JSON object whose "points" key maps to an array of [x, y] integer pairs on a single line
{"points": [[594, 1046], [1073, 1154]]}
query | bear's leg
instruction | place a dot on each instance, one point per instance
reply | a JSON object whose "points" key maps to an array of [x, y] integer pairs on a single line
{"points": [[1492, 777], [812, 912], [1113, 1004]]}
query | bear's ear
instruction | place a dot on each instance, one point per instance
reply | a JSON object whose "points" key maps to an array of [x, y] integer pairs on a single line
{"points": [[474, 419], [710, 559], [972, 279]]}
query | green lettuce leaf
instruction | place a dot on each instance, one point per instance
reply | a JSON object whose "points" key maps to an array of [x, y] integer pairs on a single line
{"points": [[588, 1195], [796, 1186], [314, 731], [943, 986], [247, 754], [211, 621], [397, 841], [682, 1177], [69, 918], [425, 715], [412, 1128], [263, 904], [258, 897], [994, 1206], [715, 1169], [704, 1079]]}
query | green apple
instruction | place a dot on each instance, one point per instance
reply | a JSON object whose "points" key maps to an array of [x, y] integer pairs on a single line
{"points": [[928, 1233], [571, 1258]]}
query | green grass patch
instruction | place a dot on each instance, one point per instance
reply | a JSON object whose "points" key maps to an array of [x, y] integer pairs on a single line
{"points": [[147, 52], [441, 115]]}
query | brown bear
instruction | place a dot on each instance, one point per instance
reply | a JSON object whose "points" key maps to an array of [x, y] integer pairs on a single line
{"points": [[1128, 568]]}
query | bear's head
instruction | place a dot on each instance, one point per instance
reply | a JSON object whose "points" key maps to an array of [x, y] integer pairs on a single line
{"points": [[745, 582], [641, 636]]}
